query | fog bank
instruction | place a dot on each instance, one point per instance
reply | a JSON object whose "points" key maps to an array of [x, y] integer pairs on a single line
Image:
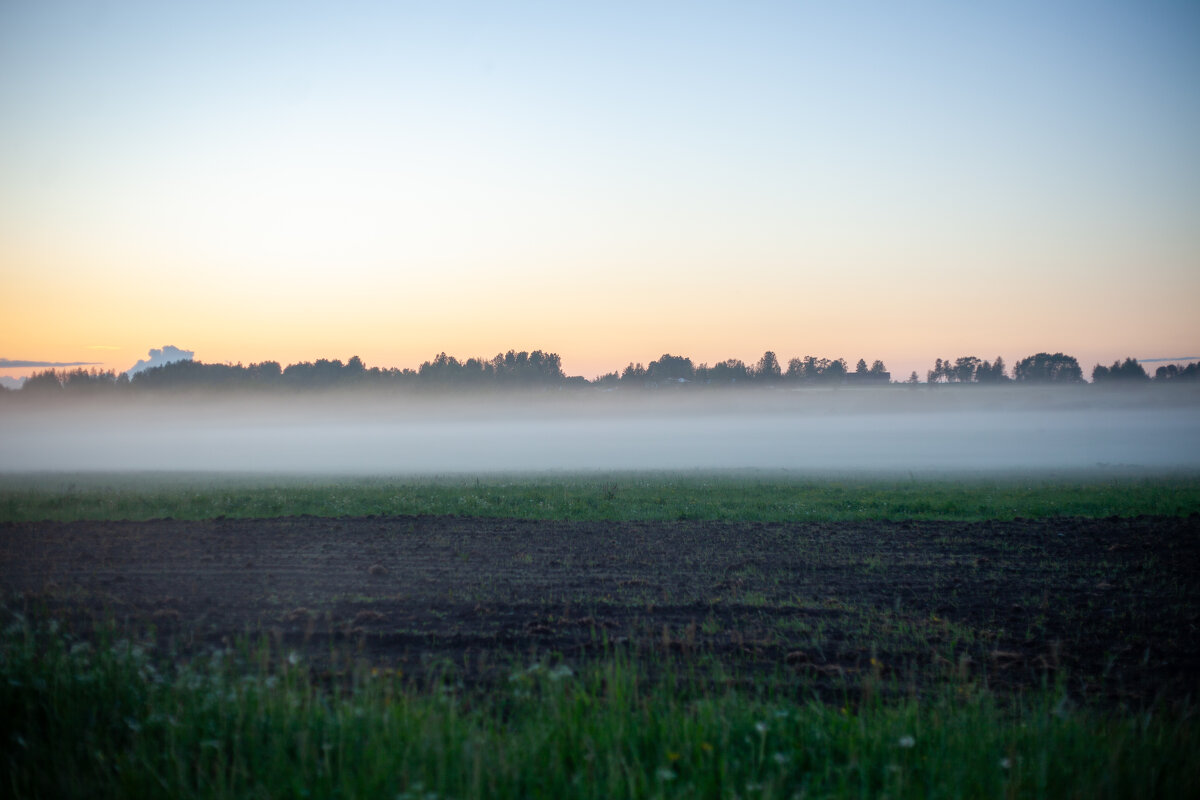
{"points": [[902, 430]]}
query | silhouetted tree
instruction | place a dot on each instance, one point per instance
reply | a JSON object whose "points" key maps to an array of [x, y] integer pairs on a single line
{"points": [[1129, 370], [813, 367], [669, 368], [861, 367], [265, 372], [607, 380], [1173, 372], [1048, 368], [731, 371], [964, 369], [443, 369], [634, 374], [47, 382], [536, 369], [991, 372], [834, 371], [768, 368]]}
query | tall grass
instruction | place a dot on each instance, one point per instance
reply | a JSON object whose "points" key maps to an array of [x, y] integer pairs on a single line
{"points": [[621, 496], [104, 718]]}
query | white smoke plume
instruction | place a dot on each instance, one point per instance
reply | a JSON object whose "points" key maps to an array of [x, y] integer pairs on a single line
{"points": [[166, 355]]}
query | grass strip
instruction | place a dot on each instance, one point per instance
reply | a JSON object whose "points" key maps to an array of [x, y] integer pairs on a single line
{"points": [[621, 496], [101, 718]]}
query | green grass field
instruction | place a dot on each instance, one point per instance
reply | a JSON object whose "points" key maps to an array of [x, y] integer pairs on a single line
{"points": [[765, 497]]}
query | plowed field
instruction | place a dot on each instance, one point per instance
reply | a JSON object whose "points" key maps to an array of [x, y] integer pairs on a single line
{"points": [[1111, 606]]}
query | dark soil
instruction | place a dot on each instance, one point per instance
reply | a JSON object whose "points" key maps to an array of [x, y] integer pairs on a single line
{"points": [[1111, 607]]}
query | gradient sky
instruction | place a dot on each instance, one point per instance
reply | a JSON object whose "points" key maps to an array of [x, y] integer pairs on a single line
{"points": [[609, 181]]}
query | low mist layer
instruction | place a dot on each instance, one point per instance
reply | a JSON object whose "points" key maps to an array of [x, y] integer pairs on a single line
{"points": [[878, 430]]}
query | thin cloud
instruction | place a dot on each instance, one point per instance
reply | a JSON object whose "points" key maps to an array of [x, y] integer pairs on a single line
{"points": [[9, 363], [1179, 358]]}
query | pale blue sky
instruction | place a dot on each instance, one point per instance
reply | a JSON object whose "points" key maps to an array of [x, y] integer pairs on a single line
{"points": [[904, 181]]}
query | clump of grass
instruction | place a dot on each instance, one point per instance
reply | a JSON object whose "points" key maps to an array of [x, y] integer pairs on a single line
{"points": [[623, 496], [105, 718]]}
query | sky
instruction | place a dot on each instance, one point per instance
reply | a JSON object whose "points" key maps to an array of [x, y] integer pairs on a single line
{"points": [[609, 181]]}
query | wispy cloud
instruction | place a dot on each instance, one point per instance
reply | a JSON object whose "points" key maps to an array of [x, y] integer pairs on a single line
{"points": [[1177, 358], [11, 363]]}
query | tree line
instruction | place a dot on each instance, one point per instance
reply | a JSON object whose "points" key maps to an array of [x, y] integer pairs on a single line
{"points": [[542, 370]]}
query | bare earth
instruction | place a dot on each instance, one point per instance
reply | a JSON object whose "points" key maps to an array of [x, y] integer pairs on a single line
{"points": [[1112, 605]]}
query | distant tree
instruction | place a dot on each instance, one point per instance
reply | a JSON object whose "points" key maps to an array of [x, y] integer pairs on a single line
{"points": [[732, 370], [607, 380], [1173, 372], [545, 369], [47, 382], [991, 372], [834, 371], [96, 380], [177, 375], [479, 370], [536, 369], [878, 369], [795, 370], [913, 379], [442, 370], [1128, 371], [934, 375], [813, 367], [265, 372], [1048, 368], [671, 368], [861, 367], [964, 369], [1131, 370], [634, 374], [768, 368]]}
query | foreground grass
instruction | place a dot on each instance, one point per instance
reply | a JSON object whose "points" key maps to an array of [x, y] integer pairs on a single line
{"points": [[104, 718], [623, 496]]}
